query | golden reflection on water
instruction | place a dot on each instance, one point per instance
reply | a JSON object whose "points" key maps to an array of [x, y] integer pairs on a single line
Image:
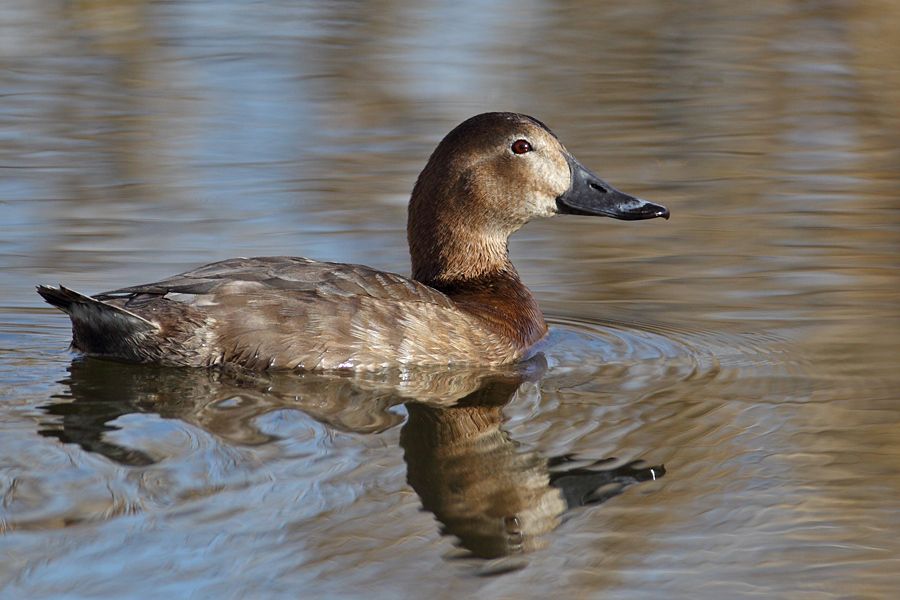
{"points": [[749, 344]]}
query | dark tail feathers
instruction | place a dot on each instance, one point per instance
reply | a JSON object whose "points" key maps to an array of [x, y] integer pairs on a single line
{"points": [[62, 298], [98, 327]]}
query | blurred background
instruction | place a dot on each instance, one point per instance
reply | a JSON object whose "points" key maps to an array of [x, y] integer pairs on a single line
{"points": [[754, 335]]}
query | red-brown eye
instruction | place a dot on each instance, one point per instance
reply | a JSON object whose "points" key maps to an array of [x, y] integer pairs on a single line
{"points": [[521, 147]]}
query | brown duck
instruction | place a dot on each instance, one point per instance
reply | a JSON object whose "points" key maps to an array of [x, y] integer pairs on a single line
{"points": [[464, 305]]}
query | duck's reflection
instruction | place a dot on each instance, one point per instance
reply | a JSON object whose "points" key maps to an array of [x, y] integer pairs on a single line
{"points": [[494, 496]]}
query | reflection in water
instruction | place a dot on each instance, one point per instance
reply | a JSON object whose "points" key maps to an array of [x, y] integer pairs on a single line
{"points": [[494, 496], [226, 403], [497, 498]]}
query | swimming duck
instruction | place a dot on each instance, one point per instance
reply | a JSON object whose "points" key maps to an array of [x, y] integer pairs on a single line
{"points": [[464, 305]]}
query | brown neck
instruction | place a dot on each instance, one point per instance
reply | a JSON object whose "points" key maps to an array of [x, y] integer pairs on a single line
{"points": [[462, 251], [451, 261], [452, 234]]}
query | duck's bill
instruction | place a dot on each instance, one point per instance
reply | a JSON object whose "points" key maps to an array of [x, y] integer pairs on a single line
{"points": [[590, 195]]}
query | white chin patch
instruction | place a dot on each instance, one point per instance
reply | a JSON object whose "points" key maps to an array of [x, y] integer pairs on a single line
{"points": [[542, 207]]}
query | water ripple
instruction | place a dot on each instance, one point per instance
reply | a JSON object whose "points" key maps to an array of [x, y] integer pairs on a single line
{"points": [[638, 354]]}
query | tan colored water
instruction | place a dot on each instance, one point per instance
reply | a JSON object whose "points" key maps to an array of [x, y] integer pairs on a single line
{"points": [[745, 352]]}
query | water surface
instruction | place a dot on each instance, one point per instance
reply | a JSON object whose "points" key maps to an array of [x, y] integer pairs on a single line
{"points": [[715, 414]]}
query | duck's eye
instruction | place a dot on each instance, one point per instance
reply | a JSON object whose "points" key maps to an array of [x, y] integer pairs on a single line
{"points": [[521, 147]]}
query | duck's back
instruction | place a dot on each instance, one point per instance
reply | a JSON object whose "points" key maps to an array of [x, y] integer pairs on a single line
{"points": [[283, 312]]}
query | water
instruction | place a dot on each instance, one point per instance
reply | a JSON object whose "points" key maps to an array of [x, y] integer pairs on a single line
{"points": [[716, 412]]}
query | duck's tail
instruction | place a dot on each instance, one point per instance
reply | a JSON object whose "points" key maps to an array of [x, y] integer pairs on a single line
{"points": [[98, 327]]}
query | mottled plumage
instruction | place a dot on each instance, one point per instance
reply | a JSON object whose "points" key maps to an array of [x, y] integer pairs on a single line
{"points": [[288, 312]]}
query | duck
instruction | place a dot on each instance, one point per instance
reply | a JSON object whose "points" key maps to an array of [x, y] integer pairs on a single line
{"points": [[464, 303]]}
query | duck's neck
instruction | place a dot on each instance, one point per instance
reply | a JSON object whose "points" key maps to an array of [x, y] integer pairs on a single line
{"points": [[440, 257], [477, 275]]}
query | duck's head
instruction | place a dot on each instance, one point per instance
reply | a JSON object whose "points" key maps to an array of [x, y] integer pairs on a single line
{"points": [[489, 176]]}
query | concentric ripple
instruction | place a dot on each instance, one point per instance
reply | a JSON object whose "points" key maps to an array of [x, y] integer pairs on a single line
{"points": [[636, 352]]}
